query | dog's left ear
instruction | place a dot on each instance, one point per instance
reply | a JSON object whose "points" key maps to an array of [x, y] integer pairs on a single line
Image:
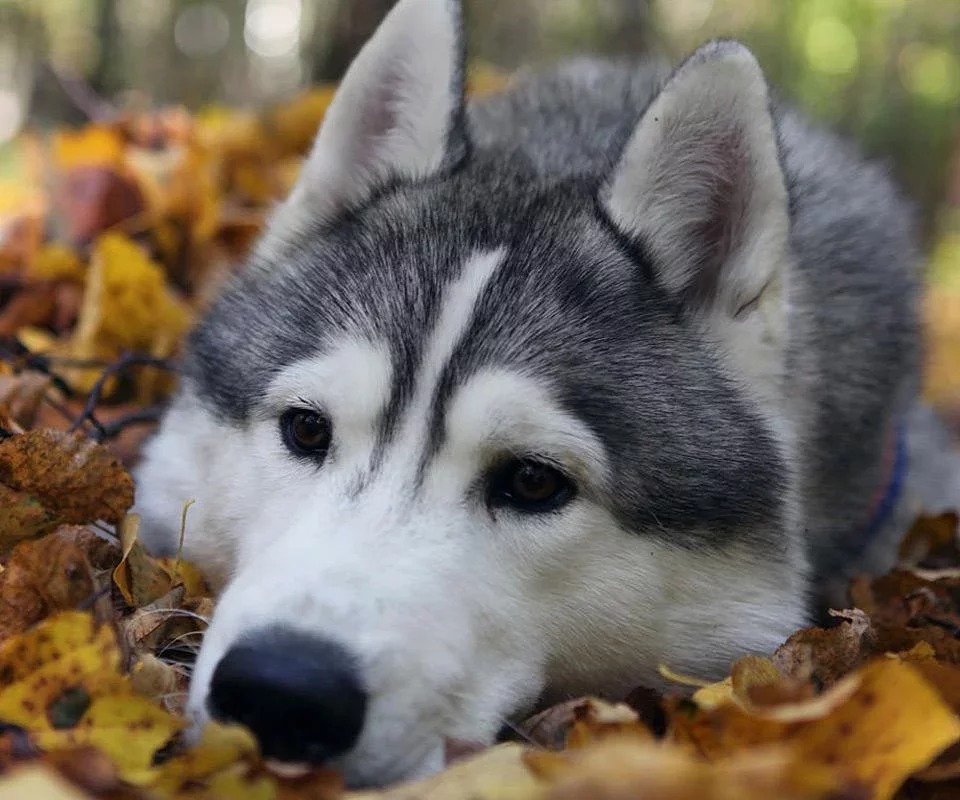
{"points": [[398, 113], [699, 185]]}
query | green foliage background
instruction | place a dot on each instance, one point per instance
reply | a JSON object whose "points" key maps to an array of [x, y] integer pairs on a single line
{"points": [[886, 72]]}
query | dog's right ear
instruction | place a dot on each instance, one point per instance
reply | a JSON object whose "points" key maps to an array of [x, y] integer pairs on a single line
{"points": [[398, 114], [700, 186]]}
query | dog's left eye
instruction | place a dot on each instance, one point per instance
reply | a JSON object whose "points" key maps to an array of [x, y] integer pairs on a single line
{"points": [[306, 432], [531, 486]]}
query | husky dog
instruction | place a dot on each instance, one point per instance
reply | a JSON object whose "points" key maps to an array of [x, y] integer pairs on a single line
{"points": [[517, 399]]}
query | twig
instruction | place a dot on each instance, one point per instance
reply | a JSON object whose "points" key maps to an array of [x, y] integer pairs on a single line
{"points": [[142, 416], [125, 362]]}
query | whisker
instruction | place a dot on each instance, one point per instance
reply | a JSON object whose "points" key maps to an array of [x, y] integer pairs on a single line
{"points": [[176, 612]]}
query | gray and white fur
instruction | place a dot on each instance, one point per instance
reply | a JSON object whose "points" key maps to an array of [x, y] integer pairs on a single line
{"points": [[695, 306]]}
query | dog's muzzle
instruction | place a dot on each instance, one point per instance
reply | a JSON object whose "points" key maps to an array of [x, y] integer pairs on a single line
{"points": [[301, 696]]}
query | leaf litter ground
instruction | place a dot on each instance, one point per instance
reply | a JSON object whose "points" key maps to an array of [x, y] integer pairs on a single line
{"points": [[112, 239]]}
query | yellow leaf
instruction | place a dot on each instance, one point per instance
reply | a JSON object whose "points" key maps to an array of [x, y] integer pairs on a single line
{"points": [[91, 146], [127, 727], [220, 747], [618, 769], [139, 577], [875, 727], [66, 632], [683, 680], [292, 126], [127, 307], [495, 774], [715, 694], [73, 678], [56, 262]]}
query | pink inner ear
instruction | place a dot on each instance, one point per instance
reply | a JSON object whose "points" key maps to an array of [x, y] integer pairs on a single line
{"points": [[719, 233], [377, 118], [706, 179]]}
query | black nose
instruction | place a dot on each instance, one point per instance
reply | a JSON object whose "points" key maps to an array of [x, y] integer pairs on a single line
{"points": [[302, 697]]}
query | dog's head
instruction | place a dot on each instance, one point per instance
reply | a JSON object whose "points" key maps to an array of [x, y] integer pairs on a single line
{"points": [[472, 430]]}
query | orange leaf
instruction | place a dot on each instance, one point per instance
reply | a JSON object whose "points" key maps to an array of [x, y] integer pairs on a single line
{"points": [[76, 479]]}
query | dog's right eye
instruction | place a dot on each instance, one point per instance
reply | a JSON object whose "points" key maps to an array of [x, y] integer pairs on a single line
{"points": [[530, 486], [306, 432]]}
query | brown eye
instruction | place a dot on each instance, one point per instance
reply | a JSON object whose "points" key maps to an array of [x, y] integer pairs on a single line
{"points": [[531, 486], [306, 432]]}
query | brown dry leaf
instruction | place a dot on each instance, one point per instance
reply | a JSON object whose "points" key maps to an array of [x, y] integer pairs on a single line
{"points": [[931, 542], [747, 676], [31, 305], [22, 517], [138, 576], [907, 608], [95, 192], [147, 627], [595, 720], [548, 728], [155, 678], [825, 655], [77, 479], [21, 227], [41, 578], [875, 727], [21, 395], [94, 199], [142, 579]]}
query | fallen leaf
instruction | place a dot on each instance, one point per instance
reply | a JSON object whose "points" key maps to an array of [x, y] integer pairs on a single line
{"points": [[41, 578], [138, 576], [498, 773], [31, 305], [931, 542], [825, 655], [21, 395], [75, 478], [22, 517], [127, 306], [875, 727], [621, 770], [595, 720]]}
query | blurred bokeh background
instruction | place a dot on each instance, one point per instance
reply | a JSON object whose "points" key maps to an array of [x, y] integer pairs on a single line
{"points": [[885, 72]]}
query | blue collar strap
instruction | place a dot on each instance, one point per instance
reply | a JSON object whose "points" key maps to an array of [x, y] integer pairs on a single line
{"points": [[887, 499]]}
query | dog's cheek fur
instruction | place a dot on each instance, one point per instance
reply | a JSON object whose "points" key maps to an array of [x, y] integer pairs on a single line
{"points": [[195, 457]]}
